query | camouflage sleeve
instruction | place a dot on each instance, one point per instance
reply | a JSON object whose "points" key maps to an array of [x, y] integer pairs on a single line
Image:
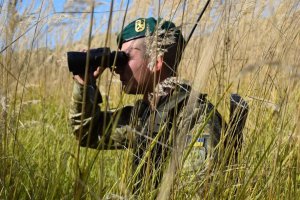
{"points": [[95, 128]]}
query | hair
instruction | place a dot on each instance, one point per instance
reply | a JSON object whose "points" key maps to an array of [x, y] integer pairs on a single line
{"points": [[171, 54], [172, 57]]}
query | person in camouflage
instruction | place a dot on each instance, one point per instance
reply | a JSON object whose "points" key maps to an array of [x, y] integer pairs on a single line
{"points": [[150, 127]]}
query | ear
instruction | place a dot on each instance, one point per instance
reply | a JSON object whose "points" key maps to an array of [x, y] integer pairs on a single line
{"points": [[159, 63]]}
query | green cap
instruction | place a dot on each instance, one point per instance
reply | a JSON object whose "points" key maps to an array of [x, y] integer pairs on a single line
{"points": [[138, 28]]}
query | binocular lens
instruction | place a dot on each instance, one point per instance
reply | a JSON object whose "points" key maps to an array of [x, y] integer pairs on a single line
{"points": [[97, 57]]}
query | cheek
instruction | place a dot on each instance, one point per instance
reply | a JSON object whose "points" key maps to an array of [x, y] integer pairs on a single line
{"points": [[136, 68]]}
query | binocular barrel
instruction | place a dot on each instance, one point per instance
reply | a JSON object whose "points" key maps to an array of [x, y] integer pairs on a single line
{"points": [[97, 57]]}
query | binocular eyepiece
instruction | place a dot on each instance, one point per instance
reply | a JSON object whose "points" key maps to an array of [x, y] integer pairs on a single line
{"points": [[97, 57]]}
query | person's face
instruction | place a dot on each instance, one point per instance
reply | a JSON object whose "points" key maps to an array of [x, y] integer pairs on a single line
{"points": [[135, 75]]}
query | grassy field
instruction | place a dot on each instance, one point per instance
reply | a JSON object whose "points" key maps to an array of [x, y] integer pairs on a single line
{"points": [[248, 47]]}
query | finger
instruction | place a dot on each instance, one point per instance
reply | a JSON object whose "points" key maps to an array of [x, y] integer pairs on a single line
{"points": [[79, 79], [98, 71]]}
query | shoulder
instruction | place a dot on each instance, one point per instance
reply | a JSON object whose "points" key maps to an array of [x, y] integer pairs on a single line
{"points": [[199, 110]]}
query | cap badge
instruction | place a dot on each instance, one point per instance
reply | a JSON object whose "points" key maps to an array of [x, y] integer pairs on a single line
{"points": [[140, 25]]}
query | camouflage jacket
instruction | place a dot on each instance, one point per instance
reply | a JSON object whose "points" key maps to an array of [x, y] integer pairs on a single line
{"points": [[142, 124]]}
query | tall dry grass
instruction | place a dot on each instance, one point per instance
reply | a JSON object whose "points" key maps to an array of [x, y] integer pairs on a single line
{"points": [[249, 47]]}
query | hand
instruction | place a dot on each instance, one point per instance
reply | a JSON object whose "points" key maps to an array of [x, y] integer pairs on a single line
{"points": [[92, 77]]}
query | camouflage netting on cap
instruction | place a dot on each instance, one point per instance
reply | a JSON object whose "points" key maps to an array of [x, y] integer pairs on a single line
{"points": [[142, 27]]}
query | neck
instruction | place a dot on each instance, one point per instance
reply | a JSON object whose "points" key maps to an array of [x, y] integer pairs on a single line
{"points": [[155, 95]]}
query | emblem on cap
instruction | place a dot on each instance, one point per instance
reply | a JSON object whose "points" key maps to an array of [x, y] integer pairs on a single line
{"points": [[140, 25]]}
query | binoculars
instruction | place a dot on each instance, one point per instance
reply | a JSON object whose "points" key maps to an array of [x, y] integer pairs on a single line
{"points": [[97, 57]]}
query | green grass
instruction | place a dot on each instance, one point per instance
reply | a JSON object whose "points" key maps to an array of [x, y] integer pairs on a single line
{"points": [[38, 161]]}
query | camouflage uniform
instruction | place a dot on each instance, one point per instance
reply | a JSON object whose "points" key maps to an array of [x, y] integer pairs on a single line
{"points": [[145, 126]]}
